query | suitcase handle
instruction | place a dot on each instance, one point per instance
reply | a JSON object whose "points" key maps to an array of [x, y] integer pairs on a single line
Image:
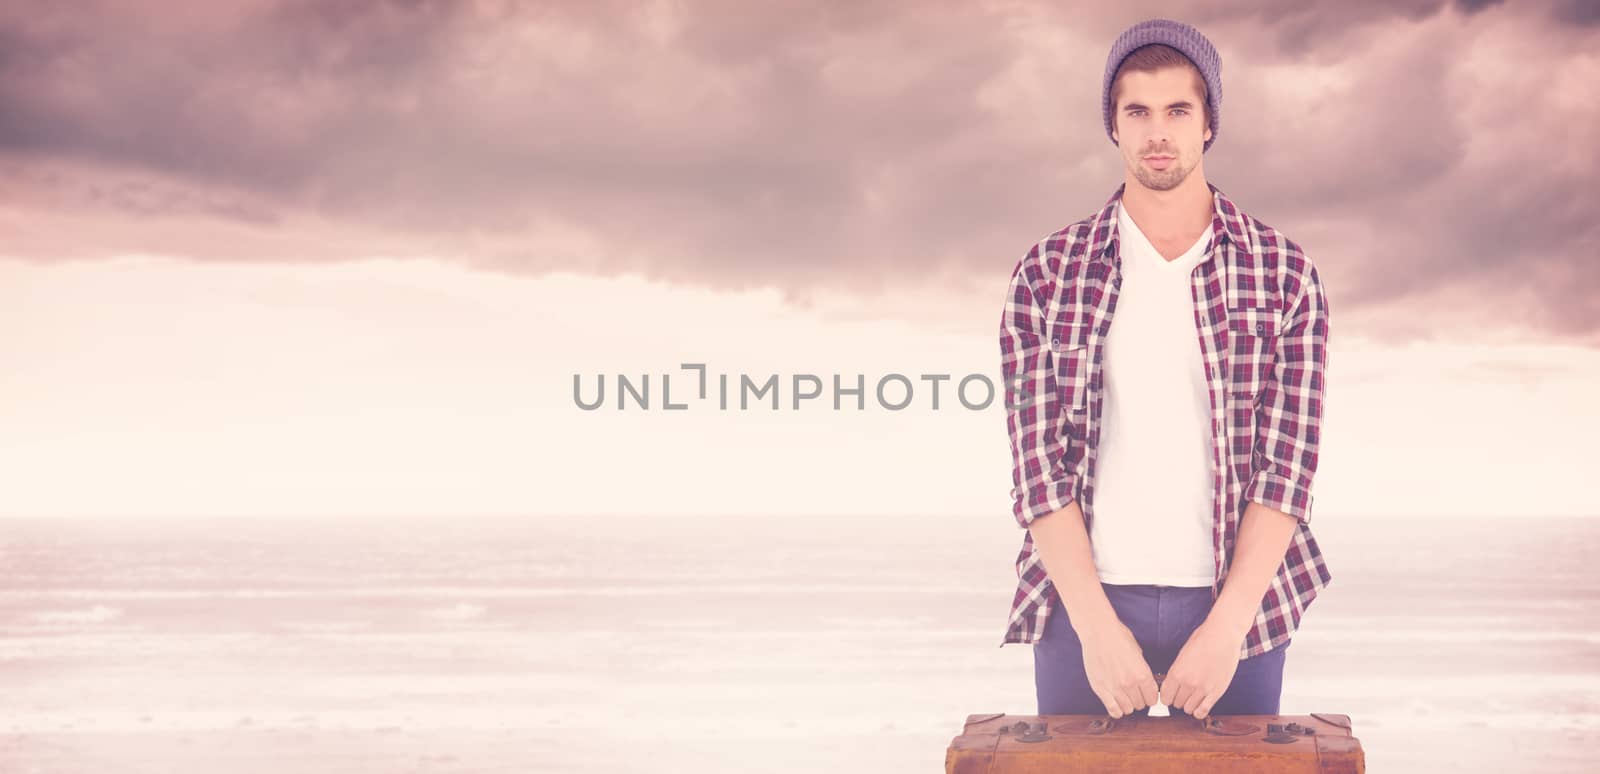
{"points": [[1161, 677], [1210, 725]]}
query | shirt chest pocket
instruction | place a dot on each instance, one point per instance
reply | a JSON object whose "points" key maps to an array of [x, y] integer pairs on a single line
{"points": [[1071, 350], [1253, 333]]}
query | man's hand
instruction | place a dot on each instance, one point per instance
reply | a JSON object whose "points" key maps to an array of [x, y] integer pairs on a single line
{"points": [[1116, 668], [1203, 670]]}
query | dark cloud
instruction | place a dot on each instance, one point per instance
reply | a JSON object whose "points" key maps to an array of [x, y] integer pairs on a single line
{"points": [[1582, 12], [1470, 7], [806, 145]]}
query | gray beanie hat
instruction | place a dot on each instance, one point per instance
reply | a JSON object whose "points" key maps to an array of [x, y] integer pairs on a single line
{"points": [[1180, 36]]}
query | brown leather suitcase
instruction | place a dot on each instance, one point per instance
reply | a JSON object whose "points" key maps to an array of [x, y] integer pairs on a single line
{"points": [[997, 743]]}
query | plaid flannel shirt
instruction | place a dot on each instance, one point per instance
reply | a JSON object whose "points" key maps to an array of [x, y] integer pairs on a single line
{"points": [[1261, 320]]}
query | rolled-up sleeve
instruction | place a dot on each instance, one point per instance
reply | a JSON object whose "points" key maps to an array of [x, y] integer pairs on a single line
{"points": [[1289, 425], [1039, 487]]}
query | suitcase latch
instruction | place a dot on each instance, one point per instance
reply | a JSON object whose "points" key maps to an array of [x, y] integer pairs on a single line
{"points": [[1027, 733], [1279, 733]]}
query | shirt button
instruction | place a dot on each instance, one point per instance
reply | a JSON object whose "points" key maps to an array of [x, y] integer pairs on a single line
{"points": [[1055, 344], [1261, 327], [1117, 282]]}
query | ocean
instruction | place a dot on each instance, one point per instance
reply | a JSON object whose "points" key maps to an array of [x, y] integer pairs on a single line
{"points": [[714, 643]]}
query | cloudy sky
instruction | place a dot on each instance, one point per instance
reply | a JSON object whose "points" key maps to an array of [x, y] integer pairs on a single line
{"points": [[345, 258]]}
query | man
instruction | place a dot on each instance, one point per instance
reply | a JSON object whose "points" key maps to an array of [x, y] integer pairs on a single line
{"points": [[1190, 425]]}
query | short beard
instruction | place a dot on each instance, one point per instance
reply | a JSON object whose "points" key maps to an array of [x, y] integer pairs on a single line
{"points": [[1160, 180]]}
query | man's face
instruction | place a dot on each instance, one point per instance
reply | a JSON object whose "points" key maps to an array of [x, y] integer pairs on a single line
{"points": [[1160, 126]]}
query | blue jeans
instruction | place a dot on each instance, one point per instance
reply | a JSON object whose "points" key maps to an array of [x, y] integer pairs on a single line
{"points": [[1161, 618]]}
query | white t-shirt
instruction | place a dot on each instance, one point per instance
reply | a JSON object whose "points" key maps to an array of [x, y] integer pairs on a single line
{"points": [[1152, 490]]}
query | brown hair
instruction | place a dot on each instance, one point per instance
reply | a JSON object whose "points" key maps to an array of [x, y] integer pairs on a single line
{"points": [[1148, 59]]}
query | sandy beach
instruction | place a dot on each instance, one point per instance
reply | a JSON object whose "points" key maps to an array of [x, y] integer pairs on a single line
{"points": [[699, 645]]}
